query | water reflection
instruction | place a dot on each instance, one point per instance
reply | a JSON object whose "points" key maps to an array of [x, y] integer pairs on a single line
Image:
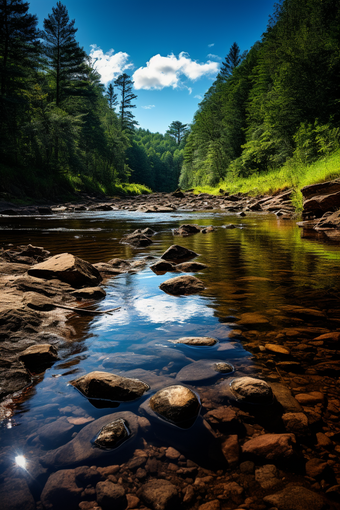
{"points": [[259, 268]]}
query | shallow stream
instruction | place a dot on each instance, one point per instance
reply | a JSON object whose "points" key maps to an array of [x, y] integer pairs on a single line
{"points": [[259, 267]]}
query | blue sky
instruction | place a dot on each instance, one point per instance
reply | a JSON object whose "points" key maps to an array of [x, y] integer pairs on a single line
{"points": [[172, 50]]}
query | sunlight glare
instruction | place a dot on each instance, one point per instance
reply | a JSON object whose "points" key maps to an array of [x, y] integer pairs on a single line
{"points": [[20, 461]]}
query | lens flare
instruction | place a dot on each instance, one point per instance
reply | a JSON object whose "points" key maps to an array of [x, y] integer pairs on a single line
{"points": [[20, 461]]}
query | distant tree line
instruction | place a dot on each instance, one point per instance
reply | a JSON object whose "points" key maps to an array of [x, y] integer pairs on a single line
{"points": [[277, 103]]}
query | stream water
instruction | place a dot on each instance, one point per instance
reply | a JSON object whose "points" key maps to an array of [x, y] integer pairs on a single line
{"points": [[259, 267]]}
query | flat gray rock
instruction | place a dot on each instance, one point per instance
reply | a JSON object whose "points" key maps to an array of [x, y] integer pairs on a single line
{"points": [[196, 341], [204, 370]]}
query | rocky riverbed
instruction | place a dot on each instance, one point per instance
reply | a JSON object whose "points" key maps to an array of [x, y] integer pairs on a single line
{"points": [[259, 437]]}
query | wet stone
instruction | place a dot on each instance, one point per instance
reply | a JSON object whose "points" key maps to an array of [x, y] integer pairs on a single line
{"points": [[202, 341], [182, 285], [250, 390], [103, 385], [203, 370], [160, 494], [178, 253], [39, 356], [112, 434], [111, 496], [176, 404], [295, 497]]}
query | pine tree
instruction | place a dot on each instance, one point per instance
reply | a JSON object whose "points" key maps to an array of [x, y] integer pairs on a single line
{"points": [[111, 97], [65, 58], [124, 84], [177, 130], [19, 51], [232, 60]]}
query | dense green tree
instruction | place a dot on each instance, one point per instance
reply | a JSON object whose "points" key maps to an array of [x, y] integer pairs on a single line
{"points": [[125, 85], [231, 61], [65, 59], [19, 59], [112, 98], [177, 130]]}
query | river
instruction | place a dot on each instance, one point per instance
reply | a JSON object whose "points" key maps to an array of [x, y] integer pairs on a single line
{"points": [[265, 269]]}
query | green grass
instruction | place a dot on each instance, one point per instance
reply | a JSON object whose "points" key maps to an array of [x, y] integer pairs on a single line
{"points": [[293, 174]]}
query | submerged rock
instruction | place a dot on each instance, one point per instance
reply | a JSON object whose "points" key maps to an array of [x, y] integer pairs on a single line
{"points": [[160, 494], [178, 253], [61, 491], [106, 386], [197, 341], [190, 267], [187, 230], [250, 390], [203, 370], [176, 404], [69, 269], [111, 496], [182, 285], [295, 497], [80, 449], [271, 447]]}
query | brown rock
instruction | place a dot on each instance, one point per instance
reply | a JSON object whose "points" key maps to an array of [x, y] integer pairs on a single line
{"points": [[267, 476], [69, 269], [187, 230], [15, 494], [137, 240], [176, 404], [61, 491], [310, 399], [296, 423], [200, 341], [160, 494], [162, 266], [277, 349], [111, 495], [271, 447], [231, 450], [80, 450], [252, 390], [90, 293], [285, 398], [316, 468], [190, 267], [210, 505], [103, 385], [295, 497], [178, 253], [38, 356], [182, 285]]}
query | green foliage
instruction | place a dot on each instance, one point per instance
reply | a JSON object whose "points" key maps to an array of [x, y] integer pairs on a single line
{"points": [[279, 103], [155, 160]]}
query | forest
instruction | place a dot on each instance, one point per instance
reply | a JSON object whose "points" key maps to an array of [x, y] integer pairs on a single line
{"points": [[273, 107]]}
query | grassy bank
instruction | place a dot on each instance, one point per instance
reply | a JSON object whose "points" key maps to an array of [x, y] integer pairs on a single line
{"points": [[26, 185], [293, 174]]}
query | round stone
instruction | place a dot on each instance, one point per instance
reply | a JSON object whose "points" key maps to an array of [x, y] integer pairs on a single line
{"points": [[112, 434], [251, 390], [224, 368], [176, 404]]}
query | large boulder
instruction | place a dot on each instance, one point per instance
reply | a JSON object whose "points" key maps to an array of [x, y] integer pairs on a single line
{"points": [[103, 385], [80, 450], [251, 390], [182, 285], [178, 253], [176, 404], [69, 269]]}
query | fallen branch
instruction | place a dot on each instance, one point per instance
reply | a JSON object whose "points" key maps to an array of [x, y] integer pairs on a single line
{"points": [[86, 310]]}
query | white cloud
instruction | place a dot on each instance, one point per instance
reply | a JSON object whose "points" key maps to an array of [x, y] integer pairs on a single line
{"points": [[212, 56], [167, 71], [148, 107], [198, 97], [109, 65], [211, 45]]}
